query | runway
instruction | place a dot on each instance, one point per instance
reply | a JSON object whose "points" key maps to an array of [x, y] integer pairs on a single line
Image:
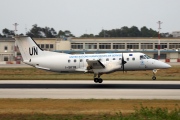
{"points": [[87, 89]]}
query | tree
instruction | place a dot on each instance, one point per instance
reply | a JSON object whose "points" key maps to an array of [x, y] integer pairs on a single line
{"points": [[39, 32], [65, 34], [35, 32], [87, 35], [7, 32], [145, 32], [49, 32], [134, 32]]}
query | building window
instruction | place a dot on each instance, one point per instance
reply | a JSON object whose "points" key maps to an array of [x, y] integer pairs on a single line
{"points": [[5, 47], [118, 45], [104, 45], [146, 45], [174, 45], [5, 58], [90, 45], [76, 45], [51, 46], [47, 45], [42, 46], [132, 45], [162, 45]]}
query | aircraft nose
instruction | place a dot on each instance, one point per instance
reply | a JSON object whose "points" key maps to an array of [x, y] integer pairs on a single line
{"points": [[167, 65], [164, 65]]}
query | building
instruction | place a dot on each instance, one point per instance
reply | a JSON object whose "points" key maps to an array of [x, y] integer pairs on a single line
{"points": [[170, 47], [7, 49], [176, 34]]}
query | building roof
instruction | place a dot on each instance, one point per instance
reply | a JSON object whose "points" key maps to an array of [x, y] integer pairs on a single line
{"points": [[7, 39]]}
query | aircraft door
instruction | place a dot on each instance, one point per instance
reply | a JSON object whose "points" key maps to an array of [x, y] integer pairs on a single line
{"points": [[81, 62], [142, 62]]}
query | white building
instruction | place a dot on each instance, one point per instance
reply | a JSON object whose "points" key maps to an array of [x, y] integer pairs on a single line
{"points": [[176, 34], [170, 47]]}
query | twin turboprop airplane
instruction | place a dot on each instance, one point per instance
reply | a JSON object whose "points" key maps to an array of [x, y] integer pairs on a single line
{"points": [[94, 63]]}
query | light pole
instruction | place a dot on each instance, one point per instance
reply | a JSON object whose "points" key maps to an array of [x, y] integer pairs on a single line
{"points": [[159, 36]]}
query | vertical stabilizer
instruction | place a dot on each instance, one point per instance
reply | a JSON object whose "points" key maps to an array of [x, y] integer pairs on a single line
{"points": [[28, 47]]}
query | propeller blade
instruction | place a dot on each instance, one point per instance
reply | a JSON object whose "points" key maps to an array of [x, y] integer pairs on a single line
{"points": [[123, 62]]}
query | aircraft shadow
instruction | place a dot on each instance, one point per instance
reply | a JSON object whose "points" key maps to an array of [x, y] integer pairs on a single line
{"points": [[91, 86]]}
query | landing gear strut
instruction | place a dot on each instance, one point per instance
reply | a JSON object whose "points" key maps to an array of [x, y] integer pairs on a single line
{"points": [[98, 80], [154, 74]]}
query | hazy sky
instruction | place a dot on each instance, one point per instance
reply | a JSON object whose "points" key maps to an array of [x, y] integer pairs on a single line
{"points": [[89, 16]]}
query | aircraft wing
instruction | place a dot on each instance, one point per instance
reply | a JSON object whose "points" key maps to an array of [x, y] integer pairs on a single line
{"points": [[95, 64]]}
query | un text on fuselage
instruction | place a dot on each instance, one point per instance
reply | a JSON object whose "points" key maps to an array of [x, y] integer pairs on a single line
{"points": [[33, 51]]}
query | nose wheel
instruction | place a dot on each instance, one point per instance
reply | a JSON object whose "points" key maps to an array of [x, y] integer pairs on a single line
{"points": [[154, 78], [154, 74]]}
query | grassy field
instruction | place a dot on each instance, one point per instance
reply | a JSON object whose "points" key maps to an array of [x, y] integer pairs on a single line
{"points": [[90, 109], [36, 74]]}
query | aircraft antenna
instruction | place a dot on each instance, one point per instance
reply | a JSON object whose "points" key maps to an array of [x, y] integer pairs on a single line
{"points": [[159, 36]]}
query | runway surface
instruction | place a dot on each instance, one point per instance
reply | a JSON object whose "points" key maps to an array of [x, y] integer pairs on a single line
{"points": [[88, 89]]}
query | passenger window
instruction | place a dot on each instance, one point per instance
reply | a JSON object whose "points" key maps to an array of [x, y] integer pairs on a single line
{"points": [[69, 61], [74, 60], [119, 58], [114, 58], [133, 59], [127, 59], [81, 60], [86, 60], [107, 59]]}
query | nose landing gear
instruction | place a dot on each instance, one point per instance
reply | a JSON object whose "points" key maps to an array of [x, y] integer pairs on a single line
{"points": [[154, 74]]}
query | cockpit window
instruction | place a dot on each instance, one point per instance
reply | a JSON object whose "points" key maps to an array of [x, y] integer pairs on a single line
{"points": [[142, 57], [147, 57]]}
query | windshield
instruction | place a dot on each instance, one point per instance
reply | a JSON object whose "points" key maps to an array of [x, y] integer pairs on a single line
{"points": [[146, 56]]}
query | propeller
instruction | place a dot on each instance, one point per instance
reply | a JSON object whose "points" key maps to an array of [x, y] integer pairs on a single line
{"points": [[123, 62]]}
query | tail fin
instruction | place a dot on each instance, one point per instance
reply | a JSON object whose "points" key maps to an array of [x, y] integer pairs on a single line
{"points": [[28, 47]]}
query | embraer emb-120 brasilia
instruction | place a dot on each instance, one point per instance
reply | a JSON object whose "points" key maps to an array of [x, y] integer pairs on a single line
{"points": [[87, 63]]}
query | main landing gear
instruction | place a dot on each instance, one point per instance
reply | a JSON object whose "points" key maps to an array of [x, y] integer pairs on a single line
{"points": [[154, 74], [97, 79]]}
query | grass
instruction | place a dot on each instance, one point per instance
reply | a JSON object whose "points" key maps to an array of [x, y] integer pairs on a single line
{"points": [[36, 74], [89, 109]]}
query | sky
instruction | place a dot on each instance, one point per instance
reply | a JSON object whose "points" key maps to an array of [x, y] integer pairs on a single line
{"points": [[89, 16]]}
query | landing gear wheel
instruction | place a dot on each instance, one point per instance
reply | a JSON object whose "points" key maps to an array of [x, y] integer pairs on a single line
{"points": [[154, 78], [96, 80], [100, 80]]}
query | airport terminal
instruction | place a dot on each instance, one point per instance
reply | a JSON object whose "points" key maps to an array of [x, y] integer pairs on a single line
{"points": [[169, 47]]}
